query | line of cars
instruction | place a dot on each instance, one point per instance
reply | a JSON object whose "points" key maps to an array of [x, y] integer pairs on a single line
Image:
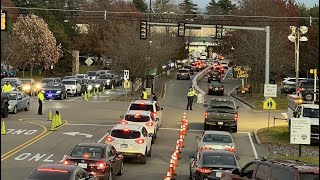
{"points": [[305, 87], [131, 138]]}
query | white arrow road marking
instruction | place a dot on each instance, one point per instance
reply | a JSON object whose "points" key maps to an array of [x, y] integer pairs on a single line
{"points": [[78, 133]]}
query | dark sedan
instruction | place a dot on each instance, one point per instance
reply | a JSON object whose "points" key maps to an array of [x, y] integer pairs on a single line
{"points": [[108, 80], [55, 91], [183, 74], [214, 76], [209, 164], [59, 171], [216, 88], [100, 160], [96, 84]]}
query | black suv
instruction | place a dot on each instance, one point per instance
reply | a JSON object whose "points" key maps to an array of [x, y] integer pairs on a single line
{"points": [[214, 76], [306, 89], [274, 169]]}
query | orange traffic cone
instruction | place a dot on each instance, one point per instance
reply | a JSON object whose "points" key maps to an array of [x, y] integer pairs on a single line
{"points": [[171, 171], [177, 153], [181, 143], [175, 159], [177, 147], [181, 133], [187, 125], [167, 177]]}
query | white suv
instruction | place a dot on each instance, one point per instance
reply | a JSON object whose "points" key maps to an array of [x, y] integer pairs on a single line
{"points": [[148, 105], [142, 118], [132, 141], [73, 86]]}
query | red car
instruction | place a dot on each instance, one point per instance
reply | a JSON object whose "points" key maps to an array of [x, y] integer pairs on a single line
{"points": [[219, 68]]}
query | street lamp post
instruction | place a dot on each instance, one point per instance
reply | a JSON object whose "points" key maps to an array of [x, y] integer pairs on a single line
{"points": [[296, 36]]}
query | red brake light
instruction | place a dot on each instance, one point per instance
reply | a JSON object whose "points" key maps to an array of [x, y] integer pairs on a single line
{"points": [[154, 113], [230, 149], [235, 117], [101, 165], [126, 130], [140, 141], [68, 162], [208, 75], [221, 87], [206, 115], [149, 123], [123, 122], [52, 170], [205, 170], [299, 89], [85, 155], [109, 139]]}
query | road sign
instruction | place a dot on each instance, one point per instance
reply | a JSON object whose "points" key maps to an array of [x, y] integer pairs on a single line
{"points": [[241, 71], [153, 72], [300, 130], [269, 104], [126, 84], [270, 90], [88, 61], [126, 74]]}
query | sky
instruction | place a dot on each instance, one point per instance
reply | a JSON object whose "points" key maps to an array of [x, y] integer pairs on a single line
{"points": [[204, 3]]}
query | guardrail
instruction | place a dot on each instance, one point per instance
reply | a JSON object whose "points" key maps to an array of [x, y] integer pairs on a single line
{"points": [[200, 92]]}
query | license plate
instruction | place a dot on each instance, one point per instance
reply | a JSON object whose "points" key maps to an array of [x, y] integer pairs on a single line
{"points": [[124, 145], [218, 174], [49, 95], [220, 123], [83, 165], [216, 89]]}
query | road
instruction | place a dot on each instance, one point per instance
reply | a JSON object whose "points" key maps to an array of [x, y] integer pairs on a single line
{"points": [[29, 144]]}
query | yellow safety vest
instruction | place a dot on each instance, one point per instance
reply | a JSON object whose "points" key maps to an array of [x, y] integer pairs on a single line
{"points": [[191, 93], [144, 95], [6, 88], [41, 96]]}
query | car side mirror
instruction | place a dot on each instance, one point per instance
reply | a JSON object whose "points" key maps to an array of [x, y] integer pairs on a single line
{"points": [[109, 131], [236, 171], [205, 105], [191, 156], [121, 117], [237, 157]]}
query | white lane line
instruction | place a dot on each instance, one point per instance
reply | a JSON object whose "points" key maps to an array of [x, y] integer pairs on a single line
{"points": [[102, 125], [236, 99], [225, 75], [165, 88], [253, 147]]}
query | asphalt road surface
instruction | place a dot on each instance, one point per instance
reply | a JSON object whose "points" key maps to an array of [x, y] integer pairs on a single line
{"points": [[28, 142]]}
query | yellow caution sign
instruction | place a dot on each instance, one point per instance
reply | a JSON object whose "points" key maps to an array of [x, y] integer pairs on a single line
{"points": [[269, 104], [3, 21], [126, 84]]}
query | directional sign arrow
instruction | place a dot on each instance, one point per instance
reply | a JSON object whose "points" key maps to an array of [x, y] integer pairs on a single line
{"points": [[78, 133]]}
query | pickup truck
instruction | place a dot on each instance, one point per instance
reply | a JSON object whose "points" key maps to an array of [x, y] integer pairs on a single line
{"points": [[221, 113], [4, 106]]}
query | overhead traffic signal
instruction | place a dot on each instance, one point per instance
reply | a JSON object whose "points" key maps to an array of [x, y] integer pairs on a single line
{"points": [[3, 21], [143, 29], [181, 29], [219, 30]]}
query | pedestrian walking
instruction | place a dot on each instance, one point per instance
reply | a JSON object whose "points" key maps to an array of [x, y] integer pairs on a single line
{"points": [[190, 95], [7, 87], [154, 97], [41, 101], [144, 94]]}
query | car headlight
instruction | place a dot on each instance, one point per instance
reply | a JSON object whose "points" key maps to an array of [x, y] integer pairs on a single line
{"points": [[43, 92], [93, 77], [58, 92], [73, 87], [89, 87], [38, 86], [97, 85], [26, 88], [108, 80]]}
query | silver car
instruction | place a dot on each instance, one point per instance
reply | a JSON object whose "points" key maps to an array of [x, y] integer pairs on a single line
{"points": [[219, 140], [17, 101]]}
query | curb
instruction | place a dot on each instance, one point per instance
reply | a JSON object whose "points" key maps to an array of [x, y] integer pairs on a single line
{"points": [[256, 136], [243, 101], [164, 87]]}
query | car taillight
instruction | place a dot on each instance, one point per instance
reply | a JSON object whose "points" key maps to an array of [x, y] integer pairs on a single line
{"points": [[140, 141], [101, 165], [206, 115], [208, 75], [205, 170], [149, 123], [299, 89], [221, 88], [68, 162], [154, 114], [230, 149], [205, 148], [235, 117], [109, 139], [123, 122]]}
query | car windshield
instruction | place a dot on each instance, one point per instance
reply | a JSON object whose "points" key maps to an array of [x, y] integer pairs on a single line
{"points": [[69, 82], [53, 85], [92, 73], [80, 76], [217, 138], [50, 175], [215, 84], [69, 77], [137, 118], [183, 71], [142, 107], [222, 104], [125, 134], [309, 176], [311, 113], [105, 76], [102, 72], [88, 152], [93, 81], [218, 160], [11, 96], [27, 81], [47, 80], [10, 82]]}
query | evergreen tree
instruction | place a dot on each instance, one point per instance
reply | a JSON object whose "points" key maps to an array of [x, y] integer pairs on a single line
{"points": [[162, 5], [226, 6], [188, 7], [213, 8], [140, 5]]}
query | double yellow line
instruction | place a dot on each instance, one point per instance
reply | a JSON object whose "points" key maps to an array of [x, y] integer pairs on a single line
{"points": [[44, 133]]}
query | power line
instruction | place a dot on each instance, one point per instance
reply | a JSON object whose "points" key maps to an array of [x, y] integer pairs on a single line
{"points": [[174, 14]]}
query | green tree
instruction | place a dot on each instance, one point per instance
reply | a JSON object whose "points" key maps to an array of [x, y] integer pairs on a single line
{"points": [[212, 8], [188, 7], [140, 5], [226, 6]]}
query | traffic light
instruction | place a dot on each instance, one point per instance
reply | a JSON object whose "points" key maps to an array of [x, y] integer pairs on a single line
{"points": [[143, 29], [219, 30], [3, 21], [181, 29]]}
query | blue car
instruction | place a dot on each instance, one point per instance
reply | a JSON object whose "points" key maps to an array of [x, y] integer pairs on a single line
{"points": [[55, 91]]}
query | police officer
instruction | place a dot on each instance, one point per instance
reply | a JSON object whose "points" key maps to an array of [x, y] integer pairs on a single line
{"points": [[144, 94], [190, 95], [40, 100], [154, 97], [7, 87]]}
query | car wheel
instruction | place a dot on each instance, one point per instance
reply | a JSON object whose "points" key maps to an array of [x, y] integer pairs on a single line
{"points": [[152, 141], [205, 127], [121, 170], [309, 97], [208, 81], [61, 96], [5, 111], [143, 159], [110, 175], [222, 93], [66, 95], [28, 107], [76, 94], [190, 175], [235, 129], [149, 153], [15, 110]]}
